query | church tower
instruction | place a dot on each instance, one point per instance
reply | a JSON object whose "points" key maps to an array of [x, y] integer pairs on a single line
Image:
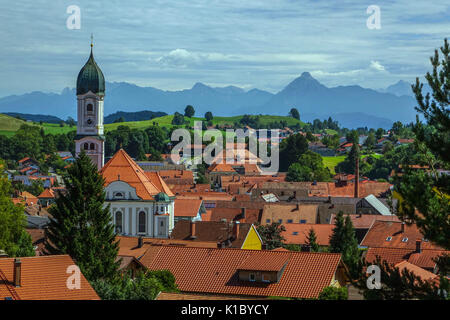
{"points": [[90, 95]]}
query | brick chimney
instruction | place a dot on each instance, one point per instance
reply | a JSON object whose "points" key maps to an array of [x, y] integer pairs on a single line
{"points": [[403, 228], [193, 235], [17, 272], [243, 212], [236, 229], [357, 177], [418, 246], [140, 242]]}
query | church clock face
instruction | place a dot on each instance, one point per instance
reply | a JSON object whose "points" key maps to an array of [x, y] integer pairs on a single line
{"points": [[89, 122]]}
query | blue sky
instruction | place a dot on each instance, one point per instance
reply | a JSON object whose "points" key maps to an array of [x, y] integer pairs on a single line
{"points": [[171, 44]]}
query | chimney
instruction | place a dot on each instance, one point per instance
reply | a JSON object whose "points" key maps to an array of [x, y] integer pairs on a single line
{"points": [[295, 194], [219, 245], [418, 246], [243, 212], [297, 207], [357, 177], [140, 242], [17, 272], [236, 228], [403, 227], [193, 236]]}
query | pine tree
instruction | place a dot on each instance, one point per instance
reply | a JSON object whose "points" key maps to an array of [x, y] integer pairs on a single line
{"points": [[311, 241], [337, 237], [350, 251], [343, 240], [81, 224]]}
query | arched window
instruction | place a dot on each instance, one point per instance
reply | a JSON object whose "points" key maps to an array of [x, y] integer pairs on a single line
{"points": [[118, 222], [86, 146], [92, 146], [141, 222], [90, 108]]}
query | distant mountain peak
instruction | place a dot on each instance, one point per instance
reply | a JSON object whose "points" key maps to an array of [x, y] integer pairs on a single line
{"points": [[306, 75]]}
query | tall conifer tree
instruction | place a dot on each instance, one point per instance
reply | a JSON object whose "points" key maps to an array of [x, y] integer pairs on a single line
{"points": [[81, 224]]}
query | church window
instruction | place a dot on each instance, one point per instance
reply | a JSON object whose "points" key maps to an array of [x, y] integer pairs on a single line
{"points": [[90, 108], [86, 146], [118, 222], [92, 146], [141, 221]]}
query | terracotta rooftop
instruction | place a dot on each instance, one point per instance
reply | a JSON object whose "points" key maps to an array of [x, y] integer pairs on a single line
{"points": [[122, 167], [305, 275], [236, 214], [418, 271], [211, 231], [297, 233], [128, 246], [42, 278], [47, 193], [284, 213], [187, 207], [389, 234], [424, 259], [365, 221], [264, 261]]}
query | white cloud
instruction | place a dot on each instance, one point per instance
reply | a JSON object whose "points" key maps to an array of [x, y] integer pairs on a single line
{"points": [[375, 65]]}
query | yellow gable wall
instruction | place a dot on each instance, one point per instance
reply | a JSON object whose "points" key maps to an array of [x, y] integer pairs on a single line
{"points": [[252, 241]]}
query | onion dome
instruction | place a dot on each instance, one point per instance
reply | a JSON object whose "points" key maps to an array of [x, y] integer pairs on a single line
{"points": [[91, 78]]}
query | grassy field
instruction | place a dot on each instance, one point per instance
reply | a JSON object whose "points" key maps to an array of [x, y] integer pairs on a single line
{"points": [[332, 162], [9, 125]]}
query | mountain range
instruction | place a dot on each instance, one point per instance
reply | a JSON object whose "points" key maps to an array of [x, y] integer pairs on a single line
{"points": [[353, 106]]}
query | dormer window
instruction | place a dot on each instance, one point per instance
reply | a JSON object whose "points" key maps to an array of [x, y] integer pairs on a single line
{"points": [[118, 195]]}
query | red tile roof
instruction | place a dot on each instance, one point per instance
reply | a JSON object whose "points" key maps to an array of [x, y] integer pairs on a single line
{"points": [[389, 234], [297, 233], [264, 261], [42, 278], [214, 271], [187, 207], [122, 167], [424, 259], [47, 193], [365, 221]]}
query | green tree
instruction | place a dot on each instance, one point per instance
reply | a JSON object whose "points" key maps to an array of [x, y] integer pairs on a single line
{"points": [[291, 149], [370, 141], [348, 165], [271, 235], [81, 225], [178, 119], [426, 200], [208, 116], [333, 293], [298, 172], [311, 241], [294, 113], [352, 136], [343, 240], [189, 111], [14, 240]]}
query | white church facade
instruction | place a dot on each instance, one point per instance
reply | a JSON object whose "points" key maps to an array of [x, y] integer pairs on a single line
{"points": [[141, 204]]}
